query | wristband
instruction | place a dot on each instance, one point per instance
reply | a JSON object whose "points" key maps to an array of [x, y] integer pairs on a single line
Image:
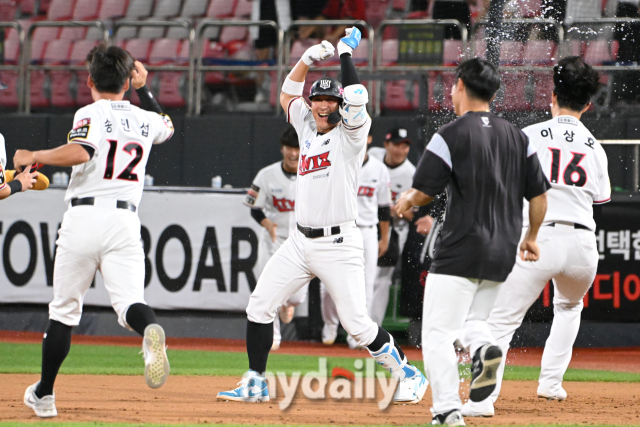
{"points": [[292, 88], [15, 186]]}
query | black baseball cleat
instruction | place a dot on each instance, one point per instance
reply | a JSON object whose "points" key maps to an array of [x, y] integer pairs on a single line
{"points": [[451, 418], [483, 372]]}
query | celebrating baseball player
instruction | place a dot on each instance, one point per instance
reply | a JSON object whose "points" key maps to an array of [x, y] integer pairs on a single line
{"points": [[576, 165], [108, 149], [326, 243], [374, 200], [272, 201], [488, 167], [401, 170], [22, 181]]}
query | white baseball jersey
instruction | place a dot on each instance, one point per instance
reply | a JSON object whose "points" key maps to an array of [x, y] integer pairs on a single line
{"points": [[326, 193], [121, 135], [401, 177], [274, 192], [373, 191], [3, 163], [576, 166]]}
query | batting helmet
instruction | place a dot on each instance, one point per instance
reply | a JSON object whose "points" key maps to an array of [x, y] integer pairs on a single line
{"points": [[327, 86]]}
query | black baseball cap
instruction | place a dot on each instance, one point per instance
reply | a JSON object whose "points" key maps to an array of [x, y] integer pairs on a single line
{"points": [[397, 135]]}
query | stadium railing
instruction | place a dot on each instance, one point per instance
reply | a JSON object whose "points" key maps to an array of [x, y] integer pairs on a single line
{"points": [[200, 69], [28, 67], [19, 67]]}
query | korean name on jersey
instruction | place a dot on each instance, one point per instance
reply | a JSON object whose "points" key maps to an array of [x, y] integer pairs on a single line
{"points": [[576, 166], [121, 135], [326, 193], [373, 191], [274, 193]]}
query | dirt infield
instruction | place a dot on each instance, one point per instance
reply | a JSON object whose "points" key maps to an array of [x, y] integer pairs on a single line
{"points": [[192, 400], [607, 359]]}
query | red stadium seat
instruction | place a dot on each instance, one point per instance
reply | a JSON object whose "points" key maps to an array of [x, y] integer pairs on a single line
{"points": [[399, 5], [597, 51], [38, 98], [400, 95], [540, 52], [138, 48], [193, 8], [390, 52], [360, 55], [376, 11], [139, 9], [543, 88], [243, 9], [479, 47], [9, 96], [11, 51], [60, 10], [57, 53], [233, 33], [151, 32], [511, 53], [452, 52], [448, 80], [8, 10], [299, 47], [28, 7], [110, 9], [513, 86], [530, 8], [43, 6], [165, 51], [78, 56], [221, 8], [44, 34]]}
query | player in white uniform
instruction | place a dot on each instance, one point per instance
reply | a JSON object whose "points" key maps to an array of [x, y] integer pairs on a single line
{"points": [[576, 166], [108, 148], [272, 201], [326, 243], [374, 200], [401, 170], [21, 182]]}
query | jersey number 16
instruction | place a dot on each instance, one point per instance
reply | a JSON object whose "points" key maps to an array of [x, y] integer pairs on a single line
{"points": [[573, 174], [127, 174]]}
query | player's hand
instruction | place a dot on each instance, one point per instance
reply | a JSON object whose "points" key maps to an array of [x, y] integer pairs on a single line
{"points": [[26, 178], [403, 204], [23, 158], [351, 40], [272, 232], [383, 246], [424, 225], [138, 75], [529, 250], [318, 52]]}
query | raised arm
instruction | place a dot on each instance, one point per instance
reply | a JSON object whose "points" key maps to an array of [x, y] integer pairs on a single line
{"points": [[294, 83]]}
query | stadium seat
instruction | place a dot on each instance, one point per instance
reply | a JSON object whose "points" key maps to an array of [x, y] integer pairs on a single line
{"points": [[540, 52], [38, 98], [360, 55], [542, 90], [243, 9], [166, 9], [511, 53], [479, 47], [111, 9], [60, 10], [164, 52], [28, 7], [138, 48], [530, 8], [597, 52], [8, 10], [57, 53], [178, 32], [298, 49], [400, 95], [139, 9], [452, 52], [389, 52], [9, 96], [436, 91], [43, 6], [45, 33], [193, 8], [221, 8], [448, 80], [78, 56], [512, 93], [151, 32], [400, 5], [376, 11]]}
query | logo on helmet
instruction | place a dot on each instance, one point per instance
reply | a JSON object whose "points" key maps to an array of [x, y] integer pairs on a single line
{"points": [[325, 83]]}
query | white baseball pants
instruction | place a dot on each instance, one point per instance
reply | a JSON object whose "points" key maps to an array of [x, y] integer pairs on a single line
{"points": [[383, 282], [570, 258], [370, 242], [91, 238], [336, 260], [449, 302]]}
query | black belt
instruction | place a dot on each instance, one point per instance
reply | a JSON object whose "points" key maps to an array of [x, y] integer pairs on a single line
{"points": [[312, 233], [90, 201], [575, 225]]}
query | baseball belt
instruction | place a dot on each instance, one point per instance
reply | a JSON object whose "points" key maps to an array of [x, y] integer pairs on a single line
{"points": [[575, 225], [90, 201], [312, 233]]}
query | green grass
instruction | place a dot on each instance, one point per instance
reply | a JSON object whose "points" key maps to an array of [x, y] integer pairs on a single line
{"points": [[113, 360]]}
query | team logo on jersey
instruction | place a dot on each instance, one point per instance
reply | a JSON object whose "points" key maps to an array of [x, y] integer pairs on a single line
{"points": [[121, 106], [485, 122], [252, 194], [338, 240], [284, 205], [366, 191], [167, 120], [394, 195], [80, 130], [325, 83], [315, 163], [326, 142]]}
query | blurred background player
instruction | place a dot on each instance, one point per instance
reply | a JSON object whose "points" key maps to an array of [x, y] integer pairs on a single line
{"points": [[272, 201], [374, 200], [576, 165], [108, 149], [21, 182], [401, 170]]}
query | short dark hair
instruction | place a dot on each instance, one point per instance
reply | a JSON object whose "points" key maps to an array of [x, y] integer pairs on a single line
{"points": [[480, 77], [575, 83], [109, 67], [290, 138]]}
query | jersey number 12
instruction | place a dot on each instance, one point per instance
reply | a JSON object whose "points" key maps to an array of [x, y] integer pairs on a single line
{"points": [[127, 174], [573, 174]]}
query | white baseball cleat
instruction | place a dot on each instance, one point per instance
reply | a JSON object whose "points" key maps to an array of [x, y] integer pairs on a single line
{"points": [[329, 335], [544, 393], [44, 407], [286, 314], [156, 369], [411, 390], [275, 346], [478, 409]]}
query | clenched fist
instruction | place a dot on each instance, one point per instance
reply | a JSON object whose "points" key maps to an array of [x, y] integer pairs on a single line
{"points": [[318, 52]]}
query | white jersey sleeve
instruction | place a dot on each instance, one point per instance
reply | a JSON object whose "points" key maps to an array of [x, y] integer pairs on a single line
{"points": [[384, 189], [603, 194], [299, 115], [3, 163], [163, 127], [257, 194], [355, 138], [87, 128]]}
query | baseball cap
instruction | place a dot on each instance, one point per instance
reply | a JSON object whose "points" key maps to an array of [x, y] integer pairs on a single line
{"points": [[397, 135]]}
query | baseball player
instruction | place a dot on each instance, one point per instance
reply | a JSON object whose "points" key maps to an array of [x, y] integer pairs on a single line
{"points": [[576, 165], [272, 201], [326, 243], [401, 170], [22, 181], [108, 149], [487, 167], [374, 200]]}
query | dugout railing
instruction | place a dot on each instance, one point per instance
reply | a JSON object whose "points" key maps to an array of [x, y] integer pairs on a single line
{"points": [[19, 66], [29, 67], [188, 67]]}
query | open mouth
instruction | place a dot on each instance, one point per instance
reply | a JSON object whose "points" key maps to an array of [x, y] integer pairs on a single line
{"points": [[323, 115]]}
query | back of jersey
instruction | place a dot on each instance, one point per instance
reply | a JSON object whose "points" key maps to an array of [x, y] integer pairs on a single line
{"points": [[121, 136], [576, 166]]}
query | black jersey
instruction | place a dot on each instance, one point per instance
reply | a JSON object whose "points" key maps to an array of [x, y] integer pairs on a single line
{"points": [[487, 167]]}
